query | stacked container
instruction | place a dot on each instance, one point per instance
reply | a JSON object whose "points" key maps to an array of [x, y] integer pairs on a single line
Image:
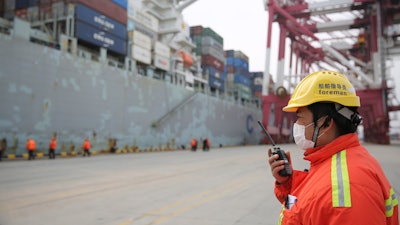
{"points": [[238, 75], [111, 9], [210, 46], [256, 84], [161, 56], [100, 30]]}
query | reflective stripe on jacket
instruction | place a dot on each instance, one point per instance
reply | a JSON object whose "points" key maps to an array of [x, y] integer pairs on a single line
{"points": [[345, 185]]}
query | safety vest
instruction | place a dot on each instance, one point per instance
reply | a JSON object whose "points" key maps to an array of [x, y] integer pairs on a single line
{"points": [[30, 145], [86, 144], [345, 185], [53, 143]]}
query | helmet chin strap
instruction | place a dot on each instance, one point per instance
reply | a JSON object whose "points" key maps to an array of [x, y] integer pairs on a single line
{"points": [[315, 135], [316, 130]]}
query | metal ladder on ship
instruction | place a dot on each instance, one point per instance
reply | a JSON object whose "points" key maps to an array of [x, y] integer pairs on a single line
{"points": [[185, 101]]}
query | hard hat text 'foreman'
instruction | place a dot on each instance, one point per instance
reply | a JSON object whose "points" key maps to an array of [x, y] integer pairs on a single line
{"points": [[332, 89]]}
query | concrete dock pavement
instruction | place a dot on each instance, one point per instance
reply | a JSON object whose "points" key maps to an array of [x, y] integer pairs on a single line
{"points": [[230, 185]]}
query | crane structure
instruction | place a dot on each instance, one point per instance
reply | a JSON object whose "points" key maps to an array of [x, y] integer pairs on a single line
{"points": [[358, 38]]}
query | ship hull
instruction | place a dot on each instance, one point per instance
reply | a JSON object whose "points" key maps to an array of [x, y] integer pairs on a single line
{"points": [[45, 91]]}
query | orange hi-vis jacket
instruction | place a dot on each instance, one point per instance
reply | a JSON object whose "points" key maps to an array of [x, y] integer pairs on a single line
{"points": [[193, 142], [86, 144], [30, 145], [53, 143], [345, 185]]}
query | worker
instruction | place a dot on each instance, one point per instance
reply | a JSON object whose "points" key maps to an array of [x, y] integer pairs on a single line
{"points": [[193, 144], [31, 147], [344, 184], [3, 147], [52, 148], [86, 147], [206, 144]]}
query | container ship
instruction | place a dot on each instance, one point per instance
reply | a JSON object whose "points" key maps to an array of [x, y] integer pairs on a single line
{"points": [[126, 73]]}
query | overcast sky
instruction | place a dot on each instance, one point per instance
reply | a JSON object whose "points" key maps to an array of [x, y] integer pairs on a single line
{"points": [[241, 23]]}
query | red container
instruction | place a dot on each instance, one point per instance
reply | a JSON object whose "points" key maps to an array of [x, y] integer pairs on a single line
{"points": [[21, 13], [258, 94], [196, 30], [106, 7], [230, 68], [209, 60]]}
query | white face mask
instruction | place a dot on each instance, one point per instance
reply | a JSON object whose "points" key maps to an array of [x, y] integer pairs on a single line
{"points": [[299, 132]]}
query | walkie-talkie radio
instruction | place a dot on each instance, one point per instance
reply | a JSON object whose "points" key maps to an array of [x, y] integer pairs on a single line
{"points": [[282, 155]]}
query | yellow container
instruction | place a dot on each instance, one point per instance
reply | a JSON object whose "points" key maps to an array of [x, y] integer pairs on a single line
{"points": [[25, 155], [39, 154], [11, 156], [63, 154]]}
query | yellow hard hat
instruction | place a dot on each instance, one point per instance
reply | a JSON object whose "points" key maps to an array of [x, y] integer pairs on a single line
{"points": [[323, 86]]}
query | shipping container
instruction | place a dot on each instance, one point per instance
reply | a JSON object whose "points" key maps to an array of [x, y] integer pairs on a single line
{"points": [[196, 30], [213, 52], [209, 60], [145, 19], [217, 83], [100, 38], [257, 81], [122, 3], [209, 32], [105, 7], [257, 74], [141, 54], [236, 54], [32, 13], [100, 21], [207, 41], [258, 94], [162, 49], [237, 62], [212, 71], [255, 88], [140, 39], [237, 70], [22, 4], [161, 62], [9, 9], [241, 79]]}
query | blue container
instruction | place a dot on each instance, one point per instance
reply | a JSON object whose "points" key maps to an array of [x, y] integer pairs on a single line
{"points": [[23, 4], [212, 71], [216, 83], [96, 19], [256, 88], [241, 79], [237, 62], [100, 38], [122, 3]]}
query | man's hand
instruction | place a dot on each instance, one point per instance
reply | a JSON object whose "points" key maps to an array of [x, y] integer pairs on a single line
{"points": [[278, 165]]}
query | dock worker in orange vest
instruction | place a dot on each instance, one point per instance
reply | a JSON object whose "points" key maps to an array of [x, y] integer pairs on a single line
{"points": [[31, 147], [345, 184], [86, 147], [193, 144], [52, 148]]}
